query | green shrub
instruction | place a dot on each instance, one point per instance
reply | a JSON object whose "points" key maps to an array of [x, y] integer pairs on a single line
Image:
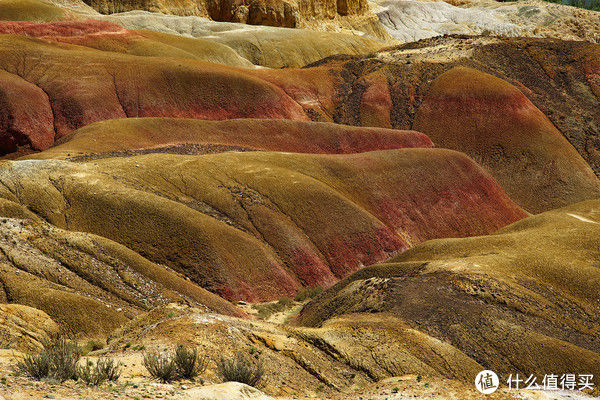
{"points": [[36, 366], [189, 364], [110, 368], [161, 366], [239, 369], [90, 374], [58, 360], [105, 369]]}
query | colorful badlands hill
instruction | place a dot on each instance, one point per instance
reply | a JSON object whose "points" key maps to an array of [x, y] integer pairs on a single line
{"points": [[408, 86], [522, 300], [72, 86], [494, 123], [51, 89], [259, 225]]}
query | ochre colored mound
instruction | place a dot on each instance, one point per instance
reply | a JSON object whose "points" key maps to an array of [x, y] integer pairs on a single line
{"points": [[30, 10], [523, 300], [259, 225], [494, 123], [88, 285], [24, 328], [345, 353], [191, 136]]}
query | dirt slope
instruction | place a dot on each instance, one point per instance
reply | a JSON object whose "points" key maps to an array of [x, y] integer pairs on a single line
{"points": [[523, 299]]}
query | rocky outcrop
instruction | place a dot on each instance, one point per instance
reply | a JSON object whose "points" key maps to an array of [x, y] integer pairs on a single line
{"points": [[228, 390], [255, 12], [282, 13], [413, 20], [319, 362]]}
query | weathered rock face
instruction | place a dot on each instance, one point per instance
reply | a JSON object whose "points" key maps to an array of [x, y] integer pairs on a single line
{"points": [[260, 225], [413, 20], [524, 299], [258, 12], [178, 7], [24, 328], [282, 13]]}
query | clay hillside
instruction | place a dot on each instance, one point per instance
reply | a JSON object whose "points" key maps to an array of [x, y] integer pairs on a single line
{"points": [[299, 199]]}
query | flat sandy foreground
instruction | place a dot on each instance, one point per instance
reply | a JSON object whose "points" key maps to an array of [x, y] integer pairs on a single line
{"points": [[135, 384]]}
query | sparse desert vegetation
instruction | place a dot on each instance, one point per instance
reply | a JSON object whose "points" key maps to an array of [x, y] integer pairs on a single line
{"points": [[58, 360], [170, 365]]}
